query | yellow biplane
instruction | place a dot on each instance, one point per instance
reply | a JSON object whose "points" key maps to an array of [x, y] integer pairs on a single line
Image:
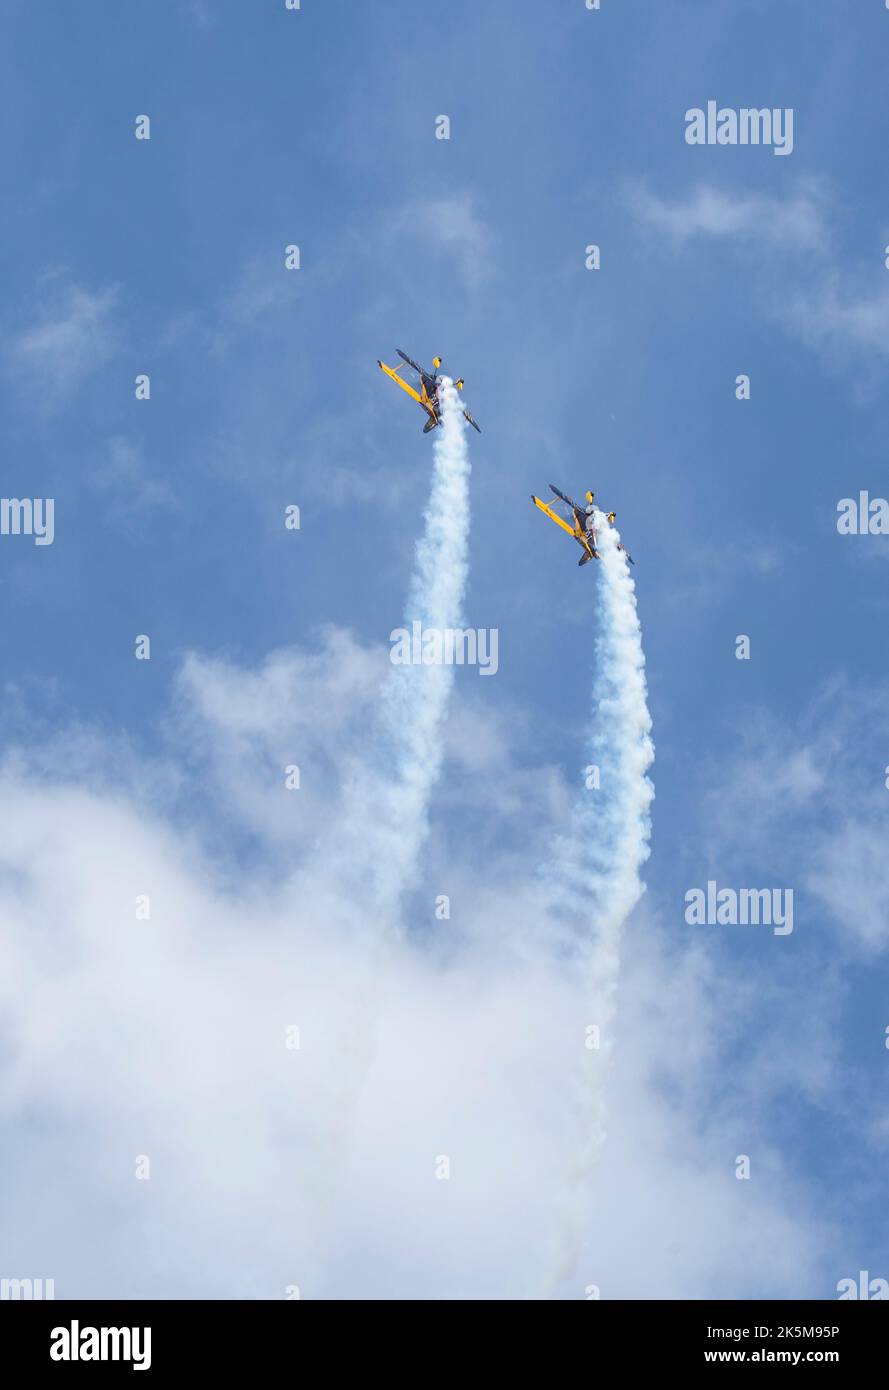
{"points": [[583, 529], [429, 383]]}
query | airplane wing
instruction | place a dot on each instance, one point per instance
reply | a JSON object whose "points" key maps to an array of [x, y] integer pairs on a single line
{"points": [[554, 516], [391, 372], [573, 531]]}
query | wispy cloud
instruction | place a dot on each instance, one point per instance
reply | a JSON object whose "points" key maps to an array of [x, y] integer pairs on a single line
{"points": [[454, 226], [73, 333], [712, 570], [123, 477], [840, 311], [260, 290], [798, 220], [264, 286], [197, 11], [810, 802]]}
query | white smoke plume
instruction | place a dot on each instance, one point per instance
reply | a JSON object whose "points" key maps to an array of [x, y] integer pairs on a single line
{"points": [[598, 862], [393, 802], [595, 874], [359, 878]]}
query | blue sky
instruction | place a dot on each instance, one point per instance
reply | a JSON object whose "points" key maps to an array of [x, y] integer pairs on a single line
{"points": [[271, 127]]}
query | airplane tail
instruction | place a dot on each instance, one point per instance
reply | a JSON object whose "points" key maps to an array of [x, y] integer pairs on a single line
{"points": [[430, 424]]}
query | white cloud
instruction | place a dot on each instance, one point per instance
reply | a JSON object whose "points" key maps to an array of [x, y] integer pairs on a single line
{"points": [[260, 289], [849, 872], [124, 479], [317, 1166], [842, 312], [453, 225], [797, 221], [72, 335], [711, 570], [242, 727], [809, 801], [198, 11], [264, 286]]}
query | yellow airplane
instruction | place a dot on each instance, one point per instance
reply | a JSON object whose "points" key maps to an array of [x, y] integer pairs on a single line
{"points": [[429, 394], [583, 530]]}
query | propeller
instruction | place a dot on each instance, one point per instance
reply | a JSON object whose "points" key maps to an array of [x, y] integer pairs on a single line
{"points": [[563, 496], [410, 362]]}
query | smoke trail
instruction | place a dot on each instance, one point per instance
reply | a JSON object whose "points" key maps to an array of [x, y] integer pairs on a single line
{"points": [[601, 857], [362, 877], [595, 873], [374, 858], [415, 697]]}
